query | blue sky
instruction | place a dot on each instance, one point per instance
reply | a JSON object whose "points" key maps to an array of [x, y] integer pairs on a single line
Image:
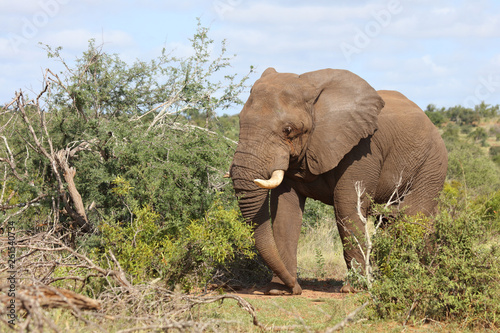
{"points": [[445, 52]]}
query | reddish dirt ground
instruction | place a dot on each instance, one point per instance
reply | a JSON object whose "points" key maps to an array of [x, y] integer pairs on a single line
{"points": [[316, 290]]}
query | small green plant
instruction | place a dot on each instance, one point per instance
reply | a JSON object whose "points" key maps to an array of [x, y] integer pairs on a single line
{"points": [[356, 278], [121, 187], [211, 242], [320, 263], [471, 166]]}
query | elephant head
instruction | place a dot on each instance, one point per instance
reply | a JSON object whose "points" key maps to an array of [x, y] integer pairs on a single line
{"points": [[309, 121]]}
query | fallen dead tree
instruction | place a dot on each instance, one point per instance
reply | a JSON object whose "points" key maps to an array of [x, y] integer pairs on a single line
{"points": [[48, 297]]}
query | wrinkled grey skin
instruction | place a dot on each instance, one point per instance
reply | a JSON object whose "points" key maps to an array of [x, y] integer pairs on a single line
{"points": [[328, 129]]}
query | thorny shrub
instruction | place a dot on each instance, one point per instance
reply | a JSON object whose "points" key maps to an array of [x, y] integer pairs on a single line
{"points": [[449, 270]]}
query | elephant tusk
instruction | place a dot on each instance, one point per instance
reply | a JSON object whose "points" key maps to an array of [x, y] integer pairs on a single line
{"points": [[227, 175], [273, 182]]}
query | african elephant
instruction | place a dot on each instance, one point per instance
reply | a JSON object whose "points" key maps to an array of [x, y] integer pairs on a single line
{"points": [[316, 134]]}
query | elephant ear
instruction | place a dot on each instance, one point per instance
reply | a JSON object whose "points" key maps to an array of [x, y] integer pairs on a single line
{"points": [[345, 110]]}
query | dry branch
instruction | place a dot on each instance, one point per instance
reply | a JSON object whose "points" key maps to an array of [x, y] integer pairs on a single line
{"points": [[148, 306], [44, 251], [74, 206], [78, 214], [10, 160], [49, 297], [22, 204]]}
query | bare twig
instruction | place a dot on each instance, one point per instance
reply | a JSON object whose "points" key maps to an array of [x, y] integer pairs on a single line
{"points": [[8, 217], [22, 204], [58, 161], [120, 275], [184, 127], [46, 243], [6, 107], [4, 185], [164, 106], [413, 306], [55, 78], [368, 239], [10, 161]]}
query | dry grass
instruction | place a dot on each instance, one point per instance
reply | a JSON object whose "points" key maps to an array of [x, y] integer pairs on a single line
{"points": [[320, 253]]}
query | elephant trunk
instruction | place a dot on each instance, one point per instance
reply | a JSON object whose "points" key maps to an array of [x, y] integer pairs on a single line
{"points": [[254, 206]]}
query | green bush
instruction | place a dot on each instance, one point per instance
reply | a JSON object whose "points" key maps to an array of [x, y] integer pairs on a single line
{"points": [[314, 213], [450, 271], [437, 116], [146, 249], [451, 132], [479, 135], [495, 153], [137, 246], [490, 208], [470, 165]]}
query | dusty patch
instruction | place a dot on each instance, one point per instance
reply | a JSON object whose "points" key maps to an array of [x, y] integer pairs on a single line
{"points": [[315, 290]]}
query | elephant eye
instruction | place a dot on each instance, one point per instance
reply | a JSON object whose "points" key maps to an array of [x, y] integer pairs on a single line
{"points": [[287, 130]]}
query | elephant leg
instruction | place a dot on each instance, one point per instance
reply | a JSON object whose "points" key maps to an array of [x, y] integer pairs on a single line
{"points": [[287, 207], [357, 167], [352, 231]]}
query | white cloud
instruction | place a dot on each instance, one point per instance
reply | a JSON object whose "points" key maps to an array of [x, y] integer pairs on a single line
{"points": [[436, 69], [443, 11], [305, 15], [19, 7], [471, 20]]}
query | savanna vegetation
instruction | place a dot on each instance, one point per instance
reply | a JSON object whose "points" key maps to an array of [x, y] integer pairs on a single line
{"points": [[112, 187]]}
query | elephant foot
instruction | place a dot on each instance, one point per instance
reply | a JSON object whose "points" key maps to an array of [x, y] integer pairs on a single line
{"points": [[348, 289], [278, 289]]}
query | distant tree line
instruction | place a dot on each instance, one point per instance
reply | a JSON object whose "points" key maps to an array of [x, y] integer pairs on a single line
{"points": [[462, 115]]}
